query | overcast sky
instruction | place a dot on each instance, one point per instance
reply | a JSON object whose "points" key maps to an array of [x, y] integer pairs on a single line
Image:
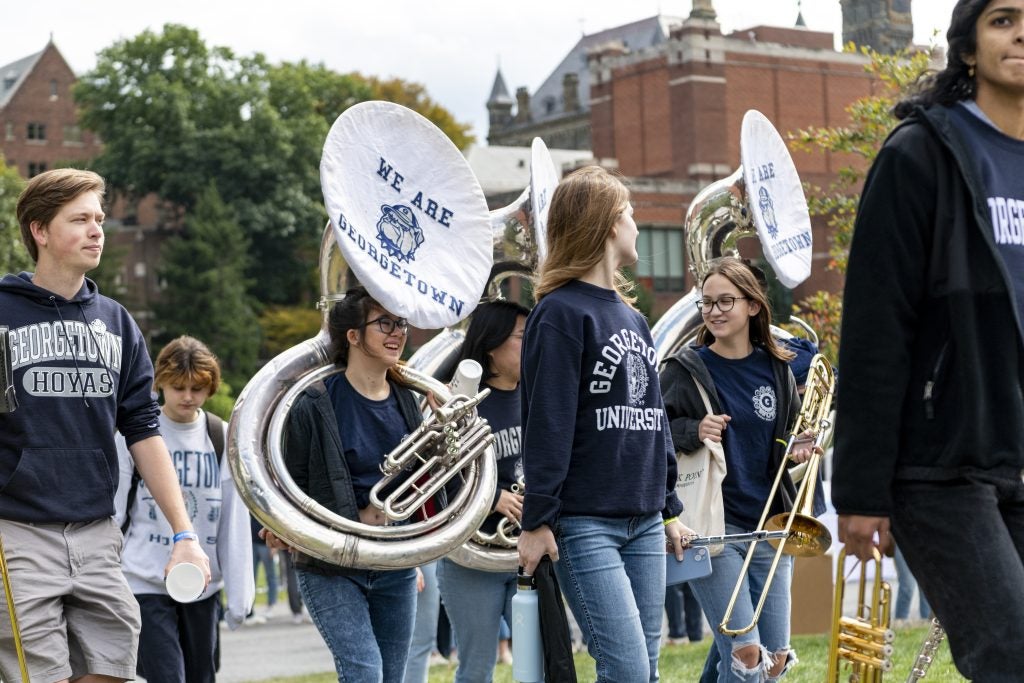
{"points": [[451, 46]]}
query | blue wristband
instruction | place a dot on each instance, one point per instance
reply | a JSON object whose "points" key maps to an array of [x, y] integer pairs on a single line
{"points": [[186, 535]]}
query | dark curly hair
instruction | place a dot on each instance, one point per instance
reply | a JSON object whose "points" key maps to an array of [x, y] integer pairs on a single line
{"points": [[954, 83]]}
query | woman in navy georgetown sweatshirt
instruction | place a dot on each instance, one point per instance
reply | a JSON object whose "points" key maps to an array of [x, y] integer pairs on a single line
{"points": [[597, 454]]}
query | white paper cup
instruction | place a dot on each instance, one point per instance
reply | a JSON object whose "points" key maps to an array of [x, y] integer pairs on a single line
{"points": [[185, 582]]}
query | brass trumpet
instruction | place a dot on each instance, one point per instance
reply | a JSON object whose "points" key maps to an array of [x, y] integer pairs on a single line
{"points": [[865, 640], [804, 536]]}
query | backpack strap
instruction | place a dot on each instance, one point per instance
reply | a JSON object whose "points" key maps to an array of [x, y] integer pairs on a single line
{"points": [[216, 429]]}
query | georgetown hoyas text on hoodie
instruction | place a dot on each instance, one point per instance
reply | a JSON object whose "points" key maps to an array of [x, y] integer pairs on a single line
{"points": [[81, 372]]}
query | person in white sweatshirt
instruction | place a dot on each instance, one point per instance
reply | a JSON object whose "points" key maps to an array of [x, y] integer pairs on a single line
{"points": [[178, 640]]}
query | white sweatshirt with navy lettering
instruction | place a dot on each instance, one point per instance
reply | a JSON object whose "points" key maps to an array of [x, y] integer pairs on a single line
{"points": [[216, 510], [595, 437]]}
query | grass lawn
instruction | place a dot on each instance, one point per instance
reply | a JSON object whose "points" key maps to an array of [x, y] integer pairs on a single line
{"points": [[683, 663]]}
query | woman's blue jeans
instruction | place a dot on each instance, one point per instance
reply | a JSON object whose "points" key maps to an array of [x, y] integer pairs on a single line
{"points": [[905, 590], [964, 541], [612, 572], [424, 634], [713, 592], [366, 619], [475, 601]]}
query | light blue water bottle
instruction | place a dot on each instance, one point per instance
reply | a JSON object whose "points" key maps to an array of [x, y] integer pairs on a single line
{"points": [[527, 650]]}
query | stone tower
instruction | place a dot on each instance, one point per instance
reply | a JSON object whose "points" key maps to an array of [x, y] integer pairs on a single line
{"points": [[884, 25]]}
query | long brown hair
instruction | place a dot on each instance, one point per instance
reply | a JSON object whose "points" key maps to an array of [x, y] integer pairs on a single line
{"points": [[584, 208], [739, 274]]}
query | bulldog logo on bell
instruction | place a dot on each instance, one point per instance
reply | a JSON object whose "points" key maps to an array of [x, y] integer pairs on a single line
{"points": [[399, 232]]}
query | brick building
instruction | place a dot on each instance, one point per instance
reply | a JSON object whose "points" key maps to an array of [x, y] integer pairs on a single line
{"points": [[662, 100], [37, 114], [39, 131]]}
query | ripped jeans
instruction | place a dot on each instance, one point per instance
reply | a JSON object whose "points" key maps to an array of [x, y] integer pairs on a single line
{"points": [[772, 631]]}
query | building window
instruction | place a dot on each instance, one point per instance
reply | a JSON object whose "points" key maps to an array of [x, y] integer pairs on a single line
{"points": [[36, 131], [9, 130], [53, 89], [72, 135], [35, 168], [660, 265]]}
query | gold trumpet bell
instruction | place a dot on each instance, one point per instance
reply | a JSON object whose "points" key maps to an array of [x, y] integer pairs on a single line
{"points": [[807, 536]]}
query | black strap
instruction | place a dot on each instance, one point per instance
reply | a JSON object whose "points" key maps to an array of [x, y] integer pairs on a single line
{"points": [[215, 429]]}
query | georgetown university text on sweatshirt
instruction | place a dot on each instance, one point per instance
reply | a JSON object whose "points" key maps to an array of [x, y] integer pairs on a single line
{"points": [[595, 437], [214, 507]]}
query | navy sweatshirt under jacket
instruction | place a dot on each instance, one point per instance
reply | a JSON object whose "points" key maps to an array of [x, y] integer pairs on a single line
{"points": [[595, 437], [81, 372]]}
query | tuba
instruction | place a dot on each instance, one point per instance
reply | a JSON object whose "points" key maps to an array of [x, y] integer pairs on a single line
{"points": [[763, 198], [518, 235], [401, 231]]}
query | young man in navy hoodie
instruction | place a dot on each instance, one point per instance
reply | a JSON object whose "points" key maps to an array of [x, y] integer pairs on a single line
{"points": [[81, 372]]}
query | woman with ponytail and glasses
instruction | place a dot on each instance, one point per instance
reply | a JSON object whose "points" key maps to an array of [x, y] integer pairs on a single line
{"points": [[930, 428], [597, 454], [337, 435]]}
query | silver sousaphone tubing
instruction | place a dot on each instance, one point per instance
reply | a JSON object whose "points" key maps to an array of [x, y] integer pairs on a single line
{"points": [[392, 225]]}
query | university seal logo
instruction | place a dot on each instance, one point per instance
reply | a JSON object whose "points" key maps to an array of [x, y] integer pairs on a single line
{"points": [[636, 370], [399, 232], [764, 202], [764, 403]]}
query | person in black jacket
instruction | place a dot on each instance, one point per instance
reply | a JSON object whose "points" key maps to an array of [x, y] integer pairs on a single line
{"points": [[338, 433], [753, 394], [930, 428]]}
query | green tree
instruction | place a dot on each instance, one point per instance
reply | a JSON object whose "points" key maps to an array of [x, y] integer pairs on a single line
{"points": [[414, 96], [176, 115], [871, 121], [205, 294], [13, 255]]}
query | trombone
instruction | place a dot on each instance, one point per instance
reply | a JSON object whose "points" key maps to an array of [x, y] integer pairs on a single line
{"points": [[804, 535]]}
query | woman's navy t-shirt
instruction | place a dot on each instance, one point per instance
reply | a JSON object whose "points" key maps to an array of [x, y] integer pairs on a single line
{"points": [[747, 393], [369, 430]]}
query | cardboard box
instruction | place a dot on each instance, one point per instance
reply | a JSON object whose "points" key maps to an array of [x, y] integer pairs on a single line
{"points": [[812, 594]]}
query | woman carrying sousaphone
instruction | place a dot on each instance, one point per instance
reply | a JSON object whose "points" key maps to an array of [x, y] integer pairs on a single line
{"points": [[753, 394]]}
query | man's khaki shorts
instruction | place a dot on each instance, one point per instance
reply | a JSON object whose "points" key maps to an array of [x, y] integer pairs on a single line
{"points": [[75, 611]]}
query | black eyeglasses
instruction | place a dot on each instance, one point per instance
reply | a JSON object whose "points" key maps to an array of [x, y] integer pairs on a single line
{"points": [[724, 303], [387, 325]]}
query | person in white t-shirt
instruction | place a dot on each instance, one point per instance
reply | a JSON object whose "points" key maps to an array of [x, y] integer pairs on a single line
{"points": [[178, 640]]}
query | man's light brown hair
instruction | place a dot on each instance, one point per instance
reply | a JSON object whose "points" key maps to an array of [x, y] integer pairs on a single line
{"points": [[48, 192], [186, 361]]}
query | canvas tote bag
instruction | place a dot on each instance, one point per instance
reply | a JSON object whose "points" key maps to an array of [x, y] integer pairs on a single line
{"points": [[699, 485]]}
